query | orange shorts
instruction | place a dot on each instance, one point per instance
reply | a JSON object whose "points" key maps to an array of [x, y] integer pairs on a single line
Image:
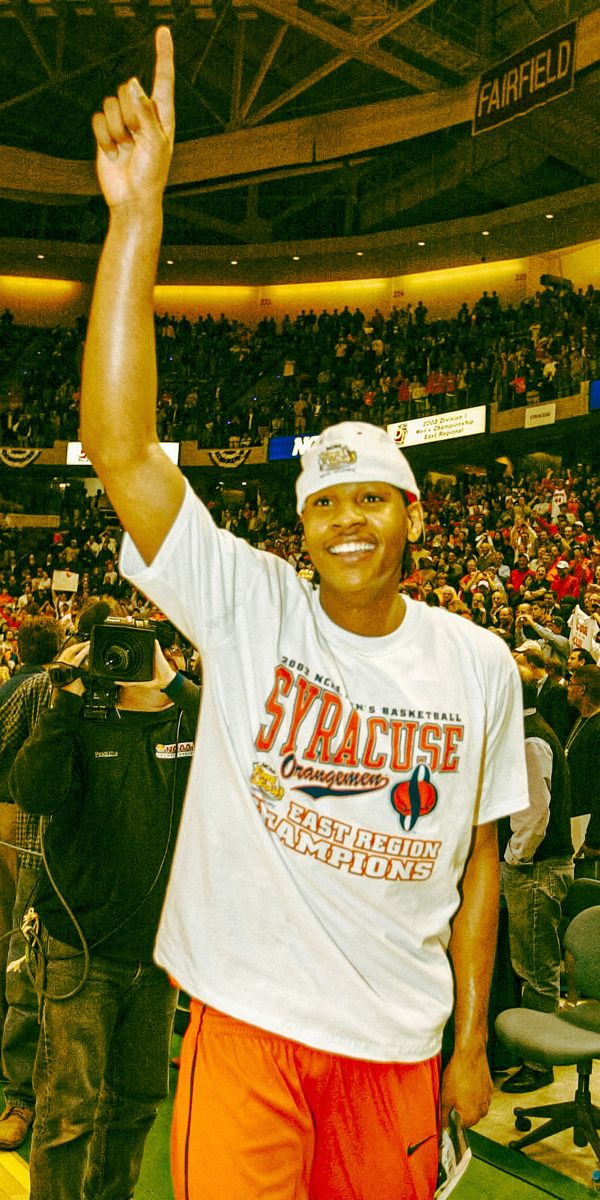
{"points": [[259, 1117]]}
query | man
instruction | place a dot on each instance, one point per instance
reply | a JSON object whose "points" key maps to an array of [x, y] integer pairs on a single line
{"points": [[578, 657], [304, 915], [551, 701], [114, 788], [537, 872], [551, 635], [20, 1033], [18, 718], [521, 575], [565, 583], [38, 640], [582, 749]]}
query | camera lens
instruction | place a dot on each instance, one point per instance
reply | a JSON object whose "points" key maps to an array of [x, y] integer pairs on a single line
{"points": [[122, 659], [116, 658]]}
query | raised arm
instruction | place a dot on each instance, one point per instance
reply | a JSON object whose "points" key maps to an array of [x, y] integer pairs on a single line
{"points": [[134, 135]]}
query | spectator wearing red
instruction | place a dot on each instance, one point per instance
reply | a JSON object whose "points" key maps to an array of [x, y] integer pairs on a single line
{"points": [[521, 573], [565, 583], [580, 566]]}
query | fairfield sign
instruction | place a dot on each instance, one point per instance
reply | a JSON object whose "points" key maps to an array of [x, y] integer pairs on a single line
{"points": [[540, 72]]}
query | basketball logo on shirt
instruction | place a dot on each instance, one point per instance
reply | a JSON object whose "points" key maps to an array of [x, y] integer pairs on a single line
{"points": [[414, 797], [265, 780]]}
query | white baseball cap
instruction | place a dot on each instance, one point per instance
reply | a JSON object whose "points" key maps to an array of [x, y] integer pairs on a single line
{"points": [[353, 452]]}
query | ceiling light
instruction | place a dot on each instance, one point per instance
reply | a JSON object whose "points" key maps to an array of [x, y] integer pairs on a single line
{"points": [[549, 216], [296, 257], [41, 255], [169, 262], [234, 262], [359, 253], [420, 243], [485, 233]]}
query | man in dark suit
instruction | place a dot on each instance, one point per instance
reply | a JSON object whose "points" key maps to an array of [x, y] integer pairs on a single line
{"points": [[581, 749], [552, 700]]}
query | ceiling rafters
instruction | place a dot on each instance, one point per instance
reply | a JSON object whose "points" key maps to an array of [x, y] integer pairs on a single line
{"points": [[230, 80], [334, 64], [67, 77], [238, 72], [211, 41], [24, 21], [263, 71], [303, 85], [251, 229], [353, 47]]}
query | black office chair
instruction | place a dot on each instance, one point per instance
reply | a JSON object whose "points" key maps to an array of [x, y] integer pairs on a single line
{"points": [[570, 1037]]}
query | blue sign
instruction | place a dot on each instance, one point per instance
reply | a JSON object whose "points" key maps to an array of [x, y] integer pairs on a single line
{"points": [[292, 446], [594, 395]]}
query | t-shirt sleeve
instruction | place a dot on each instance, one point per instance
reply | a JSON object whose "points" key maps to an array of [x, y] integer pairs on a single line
{"points": [[200, 575], [503, 787]]}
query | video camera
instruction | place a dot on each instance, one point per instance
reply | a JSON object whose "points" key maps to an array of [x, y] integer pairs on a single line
{"points": [[121, 651]]}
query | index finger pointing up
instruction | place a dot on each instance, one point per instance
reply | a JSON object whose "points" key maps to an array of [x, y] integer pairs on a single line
{"points": [[164, 80]]}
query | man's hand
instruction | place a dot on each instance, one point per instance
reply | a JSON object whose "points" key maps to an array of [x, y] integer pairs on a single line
{"points": [[588, 852], [74, 656], [134, 134], [164, 672], [467, 1086]]}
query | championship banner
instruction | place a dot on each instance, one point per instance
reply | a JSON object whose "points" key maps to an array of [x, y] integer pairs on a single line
{"points": [[18, 456], [464, 422], [225, 459], [540, 72]]}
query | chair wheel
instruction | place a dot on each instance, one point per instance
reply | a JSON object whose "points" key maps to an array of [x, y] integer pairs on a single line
{"points": [[514, 1146], [523, 1124], [579, 1138]]}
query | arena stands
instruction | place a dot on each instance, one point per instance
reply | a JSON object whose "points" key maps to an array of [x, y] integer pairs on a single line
{"points": [[222, 383]]}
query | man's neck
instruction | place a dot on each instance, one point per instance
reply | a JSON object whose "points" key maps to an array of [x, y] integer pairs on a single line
{"points": [[369, 620], [139, 699]]}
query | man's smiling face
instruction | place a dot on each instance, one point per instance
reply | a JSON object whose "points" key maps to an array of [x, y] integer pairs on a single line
{"points": [[356, 534]]}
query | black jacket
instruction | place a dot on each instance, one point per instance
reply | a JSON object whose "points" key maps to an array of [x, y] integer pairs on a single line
{"points": [[583, 758], [113, 790]]}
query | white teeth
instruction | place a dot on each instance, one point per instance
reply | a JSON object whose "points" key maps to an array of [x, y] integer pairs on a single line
{"points": [[351, 548]]}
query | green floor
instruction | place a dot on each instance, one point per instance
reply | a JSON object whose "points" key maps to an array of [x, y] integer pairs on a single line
{"points": [[495, 1173]]}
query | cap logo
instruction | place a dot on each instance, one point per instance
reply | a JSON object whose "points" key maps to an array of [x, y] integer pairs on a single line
{"points": [[335, 457]]}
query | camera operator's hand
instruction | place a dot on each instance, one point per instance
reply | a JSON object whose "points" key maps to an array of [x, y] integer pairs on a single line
{"points": [[74, 656], [164, 672]]}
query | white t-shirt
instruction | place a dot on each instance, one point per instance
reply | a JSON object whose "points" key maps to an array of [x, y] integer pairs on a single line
{"points": [[582, 632], [331, 801]]}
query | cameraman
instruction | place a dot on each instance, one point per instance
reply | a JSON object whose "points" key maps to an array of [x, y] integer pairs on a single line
{"points": [[114, 790]]}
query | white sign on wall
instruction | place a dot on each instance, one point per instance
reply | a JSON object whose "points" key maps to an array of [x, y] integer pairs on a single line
{"points": [[540, 414], [77, 458], [440, 428]]}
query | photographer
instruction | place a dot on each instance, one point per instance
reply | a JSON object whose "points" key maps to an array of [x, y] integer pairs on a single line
{"points": [[113, 783]]}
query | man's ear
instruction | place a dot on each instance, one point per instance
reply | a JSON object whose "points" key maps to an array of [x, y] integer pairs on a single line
{"points": [[414, 516]]}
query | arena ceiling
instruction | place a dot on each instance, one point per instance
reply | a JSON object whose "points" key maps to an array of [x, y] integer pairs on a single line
{"points": [[339, 132]]}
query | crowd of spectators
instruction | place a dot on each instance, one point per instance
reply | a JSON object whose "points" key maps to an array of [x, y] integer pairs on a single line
{"points": [[520, 556], [222, 383]]}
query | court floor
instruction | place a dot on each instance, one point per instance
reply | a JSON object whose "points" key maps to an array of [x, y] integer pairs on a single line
{"points": [[552, 1168]]}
